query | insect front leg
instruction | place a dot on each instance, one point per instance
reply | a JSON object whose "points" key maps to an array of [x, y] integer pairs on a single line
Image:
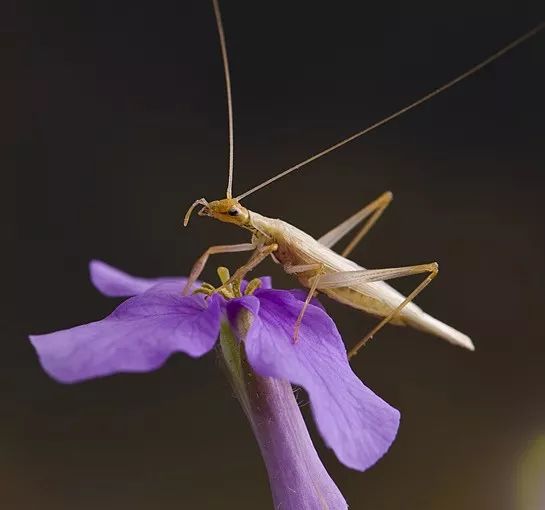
{"points": [[198, 267], [348, 278], [258, 256], [374, 209]]}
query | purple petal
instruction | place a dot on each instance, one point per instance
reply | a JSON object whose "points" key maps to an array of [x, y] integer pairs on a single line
{"points": [[357, 424], [301, 295], [138, 336], [115, 283]]}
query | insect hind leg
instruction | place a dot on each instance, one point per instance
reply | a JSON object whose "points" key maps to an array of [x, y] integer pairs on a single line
{"points": [[371, 212], [433, 269], [352, 278]]}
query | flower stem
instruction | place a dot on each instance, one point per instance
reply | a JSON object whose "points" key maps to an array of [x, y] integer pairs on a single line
{"points": [[297, 477]]}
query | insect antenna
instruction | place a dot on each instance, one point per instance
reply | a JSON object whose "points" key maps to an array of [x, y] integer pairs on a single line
{"points": [[217, 13], [412, 105]]}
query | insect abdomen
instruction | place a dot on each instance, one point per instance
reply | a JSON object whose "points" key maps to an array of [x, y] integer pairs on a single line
{"points": [[362, 302]]}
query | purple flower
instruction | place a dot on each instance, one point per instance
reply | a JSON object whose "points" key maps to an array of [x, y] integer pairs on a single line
{"points": [[157, 321]]}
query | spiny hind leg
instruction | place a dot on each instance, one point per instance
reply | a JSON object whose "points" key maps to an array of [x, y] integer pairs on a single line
{"points": [[319, 268], [348, 278], [199, 265], [374, 209]]}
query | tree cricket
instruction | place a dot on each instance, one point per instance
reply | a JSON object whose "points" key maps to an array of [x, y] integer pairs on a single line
{"points": [[313, 261]]}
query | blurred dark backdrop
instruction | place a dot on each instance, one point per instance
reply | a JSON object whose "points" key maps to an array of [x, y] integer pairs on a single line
{"points": [[122, 124]]}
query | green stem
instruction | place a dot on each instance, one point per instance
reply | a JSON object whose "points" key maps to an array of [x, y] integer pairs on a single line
{"points": [[231, 350]]}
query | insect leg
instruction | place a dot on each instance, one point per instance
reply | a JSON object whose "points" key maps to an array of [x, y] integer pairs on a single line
{"points": [[301, 268], [257, 257], [315, 279], [374, 209], [198, 267], [348, 278]]}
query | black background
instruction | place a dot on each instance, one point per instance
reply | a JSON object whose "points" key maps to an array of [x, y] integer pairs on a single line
{"points": [[121, 125]]}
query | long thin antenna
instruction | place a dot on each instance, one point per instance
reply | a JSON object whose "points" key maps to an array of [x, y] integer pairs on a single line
{"points": [[217, 13], [423, 99]]}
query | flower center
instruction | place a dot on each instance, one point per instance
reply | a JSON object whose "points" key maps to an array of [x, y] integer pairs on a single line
{"points": [[229, 288]]}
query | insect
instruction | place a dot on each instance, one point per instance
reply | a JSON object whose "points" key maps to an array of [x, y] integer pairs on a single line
{"points": [[313, 261]]}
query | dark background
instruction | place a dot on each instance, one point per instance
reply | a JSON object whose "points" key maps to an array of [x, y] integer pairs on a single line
{"points": [[121, 125]]}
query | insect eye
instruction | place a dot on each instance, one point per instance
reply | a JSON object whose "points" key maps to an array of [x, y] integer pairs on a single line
{"points": [[232, 212]]}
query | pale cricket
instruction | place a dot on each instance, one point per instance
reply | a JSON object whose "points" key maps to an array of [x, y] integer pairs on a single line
{"points": [[313, 261]]}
